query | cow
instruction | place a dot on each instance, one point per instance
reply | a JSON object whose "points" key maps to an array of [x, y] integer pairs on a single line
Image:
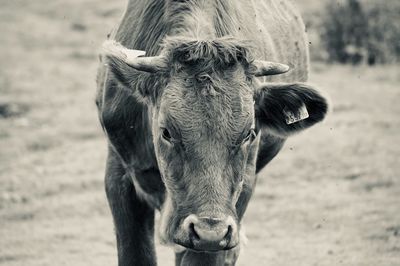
{"points": [[195, 97]]}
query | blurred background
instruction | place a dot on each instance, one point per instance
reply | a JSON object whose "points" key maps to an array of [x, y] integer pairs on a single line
{"points": [[331, 197]]}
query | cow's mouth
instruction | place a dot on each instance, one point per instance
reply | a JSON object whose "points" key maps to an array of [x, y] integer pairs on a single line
{"points": [[211, 249]]}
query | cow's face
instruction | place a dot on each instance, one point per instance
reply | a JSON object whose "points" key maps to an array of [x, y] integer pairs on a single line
{"points": [[205, 141], [205, 134]]}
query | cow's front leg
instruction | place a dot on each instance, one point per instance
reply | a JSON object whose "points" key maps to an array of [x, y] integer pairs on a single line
{"points": [[133, 218]]}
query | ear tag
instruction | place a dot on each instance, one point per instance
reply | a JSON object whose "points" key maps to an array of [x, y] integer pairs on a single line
{"points": [[292, 118]]}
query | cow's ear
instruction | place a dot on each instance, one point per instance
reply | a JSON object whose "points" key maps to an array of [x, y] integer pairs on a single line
{"points": [[285, 109]]}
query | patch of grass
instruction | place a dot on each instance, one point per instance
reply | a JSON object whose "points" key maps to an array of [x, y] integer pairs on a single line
{"points": [[8, 109], [41, 144]]}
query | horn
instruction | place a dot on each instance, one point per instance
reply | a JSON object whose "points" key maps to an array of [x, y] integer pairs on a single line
{"points": [[266, 68], [134, 58]]}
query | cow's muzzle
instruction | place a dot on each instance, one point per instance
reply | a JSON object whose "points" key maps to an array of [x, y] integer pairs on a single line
{"points": [[208, 233]]}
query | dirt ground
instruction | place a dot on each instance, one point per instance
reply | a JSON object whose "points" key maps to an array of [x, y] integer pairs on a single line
{"points": [[331, 197]]}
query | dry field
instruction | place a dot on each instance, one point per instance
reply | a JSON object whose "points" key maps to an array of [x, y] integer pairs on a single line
{"points": [[331, 197]]}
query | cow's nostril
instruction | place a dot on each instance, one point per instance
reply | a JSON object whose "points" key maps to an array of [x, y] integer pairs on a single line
{"points": [[192, 232], [229, 233]]}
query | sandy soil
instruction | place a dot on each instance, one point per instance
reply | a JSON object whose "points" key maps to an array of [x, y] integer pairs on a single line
{"points": [[331, 197]]}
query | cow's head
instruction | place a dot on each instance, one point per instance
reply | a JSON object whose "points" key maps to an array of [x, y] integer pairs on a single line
{"points": [[208, 112]]}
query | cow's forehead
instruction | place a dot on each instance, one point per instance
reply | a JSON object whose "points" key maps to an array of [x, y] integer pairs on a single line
{"points": [[223, 114], [219, 53], [208, 95]]}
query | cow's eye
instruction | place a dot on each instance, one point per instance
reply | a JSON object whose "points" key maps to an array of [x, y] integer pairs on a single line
{"points": [[166, 135], [231, 62], [185, 58], [250, 136]]}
